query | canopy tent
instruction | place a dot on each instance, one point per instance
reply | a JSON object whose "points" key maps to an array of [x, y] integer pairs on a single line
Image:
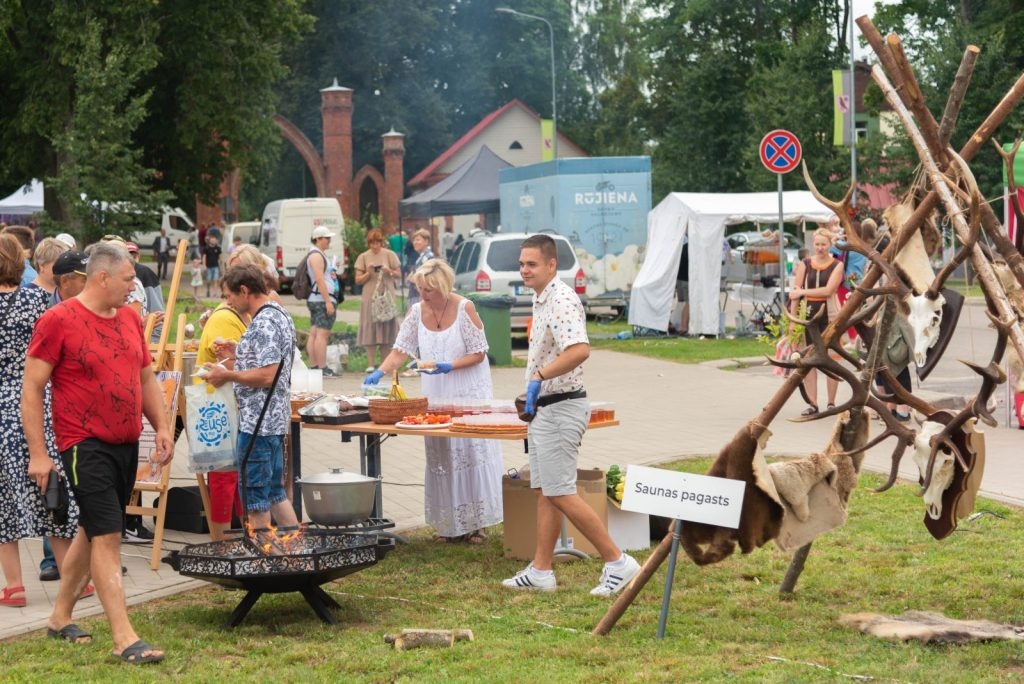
{"points": [[25, 201], [702, 217], [470, 189]]}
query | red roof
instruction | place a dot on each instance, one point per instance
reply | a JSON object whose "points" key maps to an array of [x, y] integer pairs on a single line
{"points": [[424, 176]]}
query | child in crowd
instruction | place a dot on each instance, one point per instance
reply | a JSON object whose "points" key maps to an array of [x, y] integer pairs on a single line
{"points": [[197, 276]]}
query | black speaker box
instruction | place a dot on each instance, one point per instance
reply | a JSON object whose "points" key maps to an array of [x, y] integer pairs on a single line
{"points": [[185, 510]]}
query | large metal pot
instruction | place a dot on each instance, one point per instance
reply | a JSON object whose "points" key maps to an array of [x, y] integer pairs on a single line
{"points": [[338, 497]]}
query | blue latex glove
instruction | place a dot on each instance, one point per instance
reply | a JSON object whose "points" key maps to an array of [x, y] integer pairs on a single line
{"points": [[532, 392], [440, 369], [374, 377]]}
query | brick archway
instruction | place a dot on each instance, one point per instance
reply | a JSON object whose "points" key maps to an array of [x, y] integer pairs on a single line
{"points": [[306, 150], [367, 174]]}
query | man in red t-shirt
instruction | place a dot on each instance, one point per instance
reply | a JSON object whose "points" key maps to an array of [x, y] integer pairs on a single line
{"points": [[92, 351]]}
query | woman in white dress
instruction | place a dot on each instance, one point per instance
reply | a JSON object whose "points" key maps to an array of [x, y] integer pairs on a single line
{"points": [[463, 476]]}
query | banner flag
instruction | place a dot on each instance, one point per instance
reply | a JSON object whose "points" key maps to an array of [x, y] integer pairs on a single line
{"points": [[547, 140], [842, 107]]}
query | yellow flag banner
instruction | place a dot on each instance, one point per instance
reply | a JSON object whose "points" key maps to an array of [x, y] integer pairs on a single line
{"points": [[842, 109], [547, 140]]}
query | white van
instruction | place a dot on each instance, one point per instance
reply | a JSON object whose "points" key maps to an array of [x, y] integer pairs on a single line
{"points": [[177, 224], [287, 226], [250, 233]]}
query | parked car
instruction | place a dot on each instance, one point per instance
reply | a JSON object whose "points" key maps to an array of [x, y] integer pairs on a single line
{"points": [[489, 264]]}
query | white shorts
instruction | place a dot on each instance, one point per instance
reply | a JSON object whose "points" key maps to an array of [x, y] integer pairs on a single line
{"points": [[555, 436]]}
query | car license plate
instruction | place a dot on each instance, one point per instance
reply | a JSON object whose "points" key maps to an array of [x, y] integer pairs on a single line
{"points": [[521, 290]]}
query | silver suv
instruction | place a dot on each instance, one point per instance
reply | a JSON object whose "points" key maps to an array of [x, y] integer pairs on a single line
{"points": [[489, 264]]}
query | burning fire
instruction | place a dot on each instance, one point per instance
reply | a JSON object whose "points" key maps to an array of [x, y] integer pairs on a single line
{"points": [[271, 542]]}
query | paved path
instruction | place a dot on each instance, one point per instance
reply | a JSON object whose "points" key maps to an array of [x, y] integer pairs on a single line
{"points": [[667, 411]]}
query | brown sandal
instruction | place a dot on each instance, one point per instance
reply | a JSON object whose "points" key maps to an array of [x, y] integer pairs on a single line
{"points": [[449, 540], [477, 537]]}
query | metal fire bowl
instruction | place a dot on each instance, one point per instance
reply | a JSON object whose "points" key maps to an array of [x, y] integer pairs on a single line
{"points": [[316, 557]]}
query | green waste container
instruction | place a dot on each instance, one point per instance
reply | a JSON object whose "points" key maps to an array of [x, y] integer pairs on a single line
{"points": [[496, 314]]}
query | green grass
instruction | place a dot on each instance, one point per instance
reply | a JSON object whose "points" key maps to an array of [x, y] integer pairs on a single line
{"points": [[726, 621]]}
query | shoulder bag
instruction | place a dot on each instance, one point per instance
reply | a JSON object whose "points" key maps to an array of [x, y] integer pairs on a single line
{"points": [[382, 306]]}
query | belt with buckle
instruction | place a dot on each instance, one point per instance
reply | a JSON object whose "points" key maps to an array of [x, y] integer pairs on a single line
{"points": [[549, 399]]}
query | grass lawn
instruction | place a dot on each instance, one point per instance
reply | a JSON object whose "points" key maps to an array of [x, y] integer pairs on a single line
{"points": [[727, 622]]}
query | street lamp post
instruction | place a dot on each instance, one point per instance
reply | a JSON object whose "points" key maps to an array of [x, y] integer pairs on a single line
{"points": [[554, 103]]}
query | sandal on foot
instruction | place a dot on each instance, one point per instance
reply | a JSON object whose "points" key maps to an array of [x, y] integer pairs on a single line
{"points": [[139, 653], [449, 540], [477, 537], [71, 633], [87, 592], [830, 407], [810, 411], [8, 598]]}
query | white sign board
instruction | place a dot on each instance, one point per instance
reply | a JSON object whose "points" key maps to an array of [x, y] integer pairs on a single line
{"points": [[686, 496]]}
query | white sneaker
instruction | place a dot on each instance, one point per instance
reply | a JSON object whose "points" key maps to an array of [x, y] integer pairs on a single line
{"points": [[614, 580], [527, 580]]}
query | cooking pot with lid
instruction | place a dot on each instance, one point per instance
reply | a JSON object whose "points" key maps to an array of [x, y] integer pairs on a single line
{"points": [[338, 497]]}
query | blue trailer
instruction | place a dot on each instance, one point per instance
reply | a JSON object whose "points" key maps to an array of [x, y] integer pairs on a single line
{"points": [[600, 204]]}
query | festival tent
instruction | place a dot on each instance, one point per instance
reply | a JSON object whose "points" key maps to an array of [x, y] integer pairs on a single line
{"points": [[25, 201], [702, 217], [470, 189]]}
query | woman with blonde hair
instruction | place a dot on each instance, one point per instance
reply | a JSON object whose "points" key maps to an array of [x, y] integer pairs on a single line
{"points": [[462, 479], [817, 279], [377, 270], [45, 255]]}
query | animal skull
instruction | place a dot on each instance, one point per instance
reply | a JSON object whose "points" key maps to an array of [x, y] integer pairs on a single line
{"points": [[942, 470], [924, 318]]}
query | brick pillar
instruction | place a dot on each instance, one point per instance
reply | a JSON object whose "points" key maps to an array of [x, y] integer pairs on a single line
{"points": [[336, 114], [394, 178]]}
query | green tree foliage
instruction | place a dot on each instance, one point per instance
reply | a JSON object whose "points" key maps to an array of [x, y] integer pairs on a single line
{"points": [[132, 101], [995, 27]]}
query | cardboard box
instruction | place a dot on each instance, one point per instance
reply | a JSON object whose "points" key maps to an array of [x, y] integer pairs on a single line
{"points": [[520, 512], [629, 530]]}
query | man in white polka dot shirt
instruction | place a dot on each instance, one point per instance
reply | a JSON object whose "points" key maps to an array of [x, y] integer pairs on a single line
{"points": [[558, 404]]}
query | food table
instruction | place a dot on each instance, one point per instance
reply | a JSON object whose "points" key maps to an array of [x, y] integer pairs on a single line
{"points": [[372, 435]]}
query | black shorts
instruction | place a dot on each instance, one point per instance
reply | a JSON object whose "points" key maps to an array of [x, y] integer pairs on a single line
{"points": [[102, 477]]}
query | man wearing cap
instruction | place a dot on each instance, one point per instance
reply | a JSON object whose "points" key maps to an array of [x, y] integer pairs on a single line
{"points": [[151, 288], [69, 275], [322, 310]]}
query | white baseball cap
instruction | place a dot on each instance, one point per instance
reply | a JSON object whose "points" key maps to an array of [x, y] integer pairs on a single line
{"points": [[67, 240], [322, 232]]}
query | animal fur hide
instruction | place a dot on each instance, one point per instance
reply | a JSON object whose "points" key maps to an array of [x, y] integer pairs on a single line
{"points": [[930, 628], [761, 515], [810, 500]]}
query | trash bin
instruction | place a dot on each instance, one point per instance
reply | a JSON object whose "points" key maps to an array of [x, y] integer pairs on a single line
{"points": [[496, 314]]}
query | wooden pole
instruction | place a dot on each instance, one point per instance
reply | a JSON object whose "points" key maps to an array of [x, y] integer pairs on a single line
{"points": [[628, 594], [956, 94], [986, 276]]}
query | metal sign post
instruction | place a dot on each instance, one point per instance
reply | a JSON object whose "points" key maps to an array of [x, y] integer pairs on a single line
{"points": [[780, 153]]}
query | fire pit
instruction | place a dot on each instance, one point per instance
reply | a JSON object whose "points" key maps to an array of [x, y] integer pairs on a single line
{"points": [[313, 557], [269, 562]]}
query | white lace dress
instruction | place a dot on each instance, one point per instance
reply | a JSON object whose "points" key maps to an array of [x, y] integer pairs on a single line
{"points": [[463, 476]]}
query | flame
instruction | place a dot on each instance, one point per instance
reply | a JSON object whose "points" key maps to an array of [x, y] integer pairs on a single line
{"points": [[271, 542]]}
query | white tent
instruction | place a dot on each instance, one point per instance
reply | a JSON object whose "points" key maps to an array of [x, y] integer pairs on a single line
{"points": [[25, 201], [703, 217]]}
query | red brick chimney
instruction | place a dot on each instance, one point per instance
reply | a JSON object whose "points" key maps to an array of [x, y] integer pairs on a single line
{"points": [[336, 114], [394, 178]]}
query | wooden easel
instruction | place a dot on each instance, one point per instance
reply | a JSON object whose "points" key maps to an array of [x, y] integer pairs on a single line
{"points": [[145, 482]]}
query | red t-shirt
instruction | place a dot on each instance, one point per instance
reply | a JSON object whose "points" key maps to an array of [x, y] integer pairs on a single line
{"points": [[97, 372]]}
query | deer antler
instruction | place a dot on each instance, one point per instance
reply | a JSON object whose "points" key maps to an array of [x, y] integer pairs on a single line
{"points": [[853, 239]]}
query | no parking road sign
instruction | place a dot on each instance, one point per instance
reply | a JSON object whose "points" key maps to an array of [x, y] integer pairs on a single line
{"points": [[780, 151]]}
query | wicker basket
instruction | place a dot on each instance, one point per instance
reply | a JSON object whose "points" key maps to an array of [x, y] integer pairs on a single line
{"points": [[389, 412]]}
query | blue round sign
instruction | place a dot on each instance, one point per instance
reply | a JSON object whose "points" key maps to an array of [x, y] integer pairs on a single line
{"points": [[780, 151]]}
